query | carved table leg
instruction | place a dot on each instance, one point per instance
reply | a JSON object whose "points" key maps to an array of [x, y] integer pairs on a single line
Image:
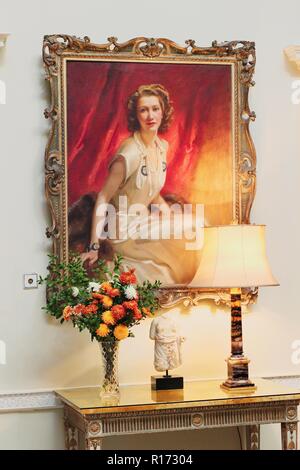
{"points": [[71, 434], [93, 435], [289, 436], [71, 437], [253, 437], [66, 427], [94, 443]]}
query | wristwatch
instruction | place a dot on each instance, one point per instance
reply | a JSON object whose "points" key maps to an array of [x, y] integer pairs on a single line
{"points": [[95, 247]]}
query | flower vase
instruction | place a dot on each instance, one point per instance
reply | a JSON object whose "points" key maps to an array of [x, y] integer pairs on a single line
{"points": [[110, 386]]}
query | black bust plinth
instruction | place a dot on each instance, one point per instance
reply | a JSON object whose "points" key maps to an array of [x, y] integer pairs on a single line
{"points": [[166, 382]]}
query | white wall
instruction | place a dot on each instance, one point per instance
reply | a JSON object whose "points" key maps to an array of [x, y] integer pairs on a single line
{"points": [[44, 355], [32, 431]]}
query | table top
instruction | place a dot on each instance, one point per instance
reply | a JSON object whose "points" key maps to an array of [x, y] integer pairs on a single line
{"points": [[195, 394]]}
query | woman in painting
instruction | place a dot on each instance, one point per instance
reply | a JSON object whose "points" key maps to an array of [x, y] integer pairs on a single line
{"points": [[137, 174]]}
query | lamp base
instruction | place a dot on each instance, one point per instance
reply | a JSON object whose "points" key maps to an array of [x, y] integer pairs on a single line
{"points": [[239, 389], [238, 375]]}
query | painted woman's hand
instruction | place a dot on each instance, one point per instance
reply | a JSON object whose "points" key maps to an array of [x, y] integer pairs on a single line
{"points": [[91, 256]]}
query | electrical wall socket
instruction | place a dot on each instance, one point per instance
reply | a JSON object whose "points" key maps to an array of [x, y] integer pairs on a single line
{"points": [[30, 281]]}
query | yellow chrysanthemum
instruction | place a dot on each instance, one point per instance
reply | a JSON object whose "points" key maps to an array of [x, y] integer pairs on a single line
{"points": [[108, 317], [121, 332], [106, 301], [103, 330]]}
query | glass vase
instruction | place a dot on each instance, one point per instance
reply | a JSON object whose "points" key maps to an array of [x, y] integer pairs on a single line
{"points": [[110, 385]]}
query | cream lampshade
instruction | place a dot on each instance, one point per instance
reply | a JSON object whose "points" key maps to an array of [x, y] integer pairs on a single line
{"points": [[234, 256]]}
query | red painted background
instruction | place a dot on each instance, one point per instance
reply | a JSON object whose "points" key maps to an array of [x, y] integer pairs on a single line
{"points": [[97, 93]]}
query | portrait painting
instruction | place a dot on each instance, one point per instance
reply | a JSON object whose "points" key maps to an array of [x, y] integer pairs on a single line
{"points": [[154, 144]]}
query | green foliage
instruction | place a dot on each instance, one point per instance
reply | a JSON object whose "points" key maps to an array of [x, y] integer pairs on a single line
{"points": [[147, 295], [60, 281]]}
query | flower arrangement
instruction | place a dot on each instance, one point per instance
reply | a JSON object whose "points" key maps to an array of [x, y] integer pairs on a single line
{"points": [[107, 305]]}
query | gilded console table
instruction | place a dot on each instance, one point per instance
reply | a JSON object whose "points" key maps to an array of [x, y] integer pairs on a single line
{"points": [[200, 405]]}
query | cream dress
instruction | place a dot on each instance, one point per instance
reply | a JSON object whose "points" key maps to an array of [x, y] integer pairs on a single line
{"points": [[166, 260]]}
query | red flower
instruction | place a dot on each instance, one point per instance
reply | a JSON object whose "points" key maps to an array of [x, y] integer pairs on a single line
{"points": [[118, 312], [79, 309], [137, 314], [130, 305], [127, 277], [92, 308], [114, 293], [97, 296]]}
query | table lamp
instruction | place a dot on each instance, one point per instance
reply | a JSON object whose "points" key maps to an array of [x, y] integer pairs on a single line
{"points": [[234, 256]]}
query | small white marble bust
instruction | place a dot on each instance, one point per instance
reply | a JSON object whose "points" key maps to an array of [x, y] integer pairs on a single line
{"points": [[167, 349]]}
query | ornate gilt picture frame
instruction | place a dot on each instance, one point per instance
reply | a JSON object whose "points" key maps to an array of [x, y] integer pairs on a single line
{"points": [[210, 160]]}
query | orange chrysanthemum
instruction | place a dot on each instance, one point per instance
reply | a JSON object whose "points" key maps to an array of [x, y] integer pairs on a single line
{"points": [[67, 312], [128, 277], [106, 301], [106, 286], [146, 311], [118, 312], [108, 317], [121, 332], [103, 330]]}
